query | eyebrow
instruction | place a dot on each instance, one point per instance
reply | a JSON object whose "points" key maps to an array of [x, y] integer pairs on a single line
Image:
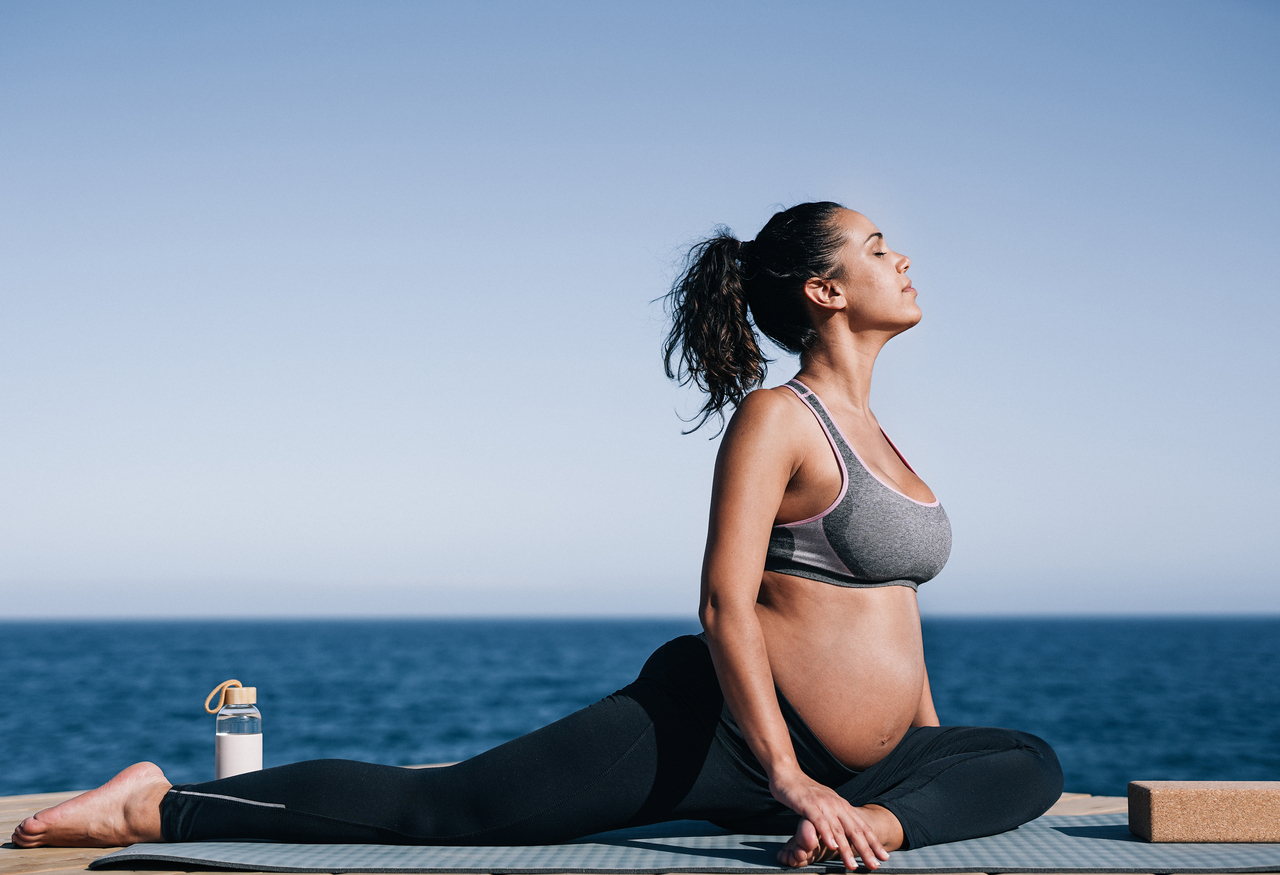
{"points": [[872, 237]]}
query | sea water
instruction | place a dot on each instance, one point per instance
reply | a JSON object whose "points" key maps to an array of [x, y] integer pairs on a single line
{"points": [[1119, 699]]}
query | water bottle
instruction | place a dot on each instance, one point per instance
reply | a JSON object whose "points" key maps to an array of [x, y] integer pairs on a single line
{"points": [[237, 744]]}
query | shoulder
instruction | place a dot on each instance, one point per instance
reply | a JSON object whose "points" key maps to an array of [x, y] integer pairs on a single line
{"points": [[777, 407], [770, 417]]}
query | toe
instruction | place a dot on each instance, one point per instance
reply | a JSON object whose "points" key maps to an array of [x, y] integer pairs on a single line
{"points": [[792, 855], [25, 834]]}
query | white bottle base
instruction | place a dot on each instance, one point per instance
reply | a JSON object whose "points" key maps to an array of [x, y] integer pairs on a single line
{"points": [[236, 754]]}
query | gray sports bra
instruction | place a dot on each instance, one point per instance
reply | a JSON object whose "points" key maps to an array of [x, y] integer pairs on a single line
{"points": [[872, 535]]}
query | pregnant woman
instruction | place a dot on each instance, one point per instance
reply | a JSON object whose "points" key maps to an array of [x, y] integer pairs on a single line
{"points": [[804, 707]]}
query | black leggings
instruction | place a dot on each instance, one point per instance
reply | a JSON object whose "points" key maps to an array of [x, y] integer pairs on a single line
{"points": [[663, 748]]}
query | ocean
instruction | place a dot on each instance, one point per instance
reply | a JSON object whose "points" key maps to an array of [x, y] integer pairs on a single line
{"points": [[1119, 699]]}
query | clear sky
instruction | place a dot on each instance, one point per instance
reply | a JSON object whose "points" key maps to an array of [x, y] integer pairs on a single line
{"points": [[347, 308]]}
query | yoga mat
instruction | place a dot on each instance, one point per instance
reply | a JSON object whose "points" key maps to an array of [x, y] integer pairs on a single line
{"points": [[1087, 843]]}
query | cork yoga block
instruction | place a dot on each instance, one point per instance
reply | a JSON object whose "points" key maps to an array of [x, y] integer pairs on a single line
{"points": [[1205, 811]]}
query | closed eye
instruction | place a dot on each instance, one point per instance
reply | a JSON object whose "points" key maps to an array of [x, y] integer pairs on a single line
{"points": [[878, 254]]}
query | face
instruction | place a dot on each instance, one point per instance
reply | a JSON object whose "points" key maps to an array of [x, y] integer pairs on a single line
{"points": [[873, 280]]}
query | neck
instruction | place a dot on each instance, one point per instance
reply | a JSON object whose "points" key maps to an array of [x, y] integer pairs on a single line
{"points": [[839, 367]]}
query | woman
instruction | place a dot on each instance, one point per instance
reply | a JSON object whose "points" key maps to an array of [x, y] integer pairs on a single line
{"points": [[804, 706]]}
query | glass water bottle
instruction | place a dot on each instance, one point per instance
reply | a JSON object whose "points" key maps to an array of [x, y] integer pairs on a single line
{"points": [[237, 731]]}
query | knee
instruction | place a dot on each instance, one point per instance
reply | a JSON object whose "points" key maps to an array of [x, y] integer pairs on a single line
{"points": [[675, 657], [683, 666], [1044, 781]]}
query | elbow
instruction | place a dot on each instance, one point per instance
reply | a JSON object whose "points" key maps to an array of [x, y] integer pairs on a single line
{"points": [[706, 614], [710, 609], [713, 625], [716, 615]]}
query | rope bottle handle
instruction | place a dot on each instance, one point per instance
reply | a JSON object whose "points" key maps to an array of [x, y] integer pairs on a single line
{"points": [[221, 692]]}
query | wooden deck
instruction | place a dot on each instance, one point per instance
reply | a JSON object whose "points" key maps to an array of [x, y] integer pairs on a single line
{"points": [[72, 861]]}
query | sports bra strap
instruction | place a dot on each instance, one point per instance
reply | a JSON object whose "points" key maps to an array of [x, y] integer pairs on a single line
{"points": [[838, 443]]}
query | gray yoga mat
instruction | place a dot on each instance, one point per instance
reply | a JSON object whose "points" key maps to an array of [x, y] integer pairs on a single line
{"points": [[1089, 843]]}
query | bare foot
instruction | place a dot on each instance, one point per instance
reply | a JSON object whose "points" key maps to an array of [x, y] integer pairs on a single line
{"points": [[122, 811], [804, 848]]}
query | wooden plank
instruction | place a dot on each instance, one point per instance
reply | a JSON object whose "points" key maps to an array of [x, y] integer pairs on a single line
{"points": [[42, 799], [30, 861], [24, 805], [1091, 805], [38, 868], [18, 860], [81, 871]]}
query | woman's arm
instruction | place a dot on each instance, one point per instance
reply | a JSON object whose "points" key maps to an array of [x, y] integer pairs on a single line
{"points": [[752, 472], [758, 456]]}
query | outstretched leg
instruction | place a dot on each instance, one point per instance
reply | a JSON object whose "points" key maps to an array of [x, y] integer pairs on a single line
{"points": [[631, 758], [656, 750], [591, 771], [596, 769], [648, 753]]}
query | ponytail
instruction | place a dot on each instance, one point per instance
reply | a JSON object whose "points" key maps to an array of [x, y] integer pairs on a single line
{"points": [[728, 285], [712, 343]]}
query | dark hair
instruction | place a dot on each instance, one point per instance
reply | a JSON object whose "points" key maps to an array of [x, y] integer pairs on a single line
{"points": [[727, 285]]}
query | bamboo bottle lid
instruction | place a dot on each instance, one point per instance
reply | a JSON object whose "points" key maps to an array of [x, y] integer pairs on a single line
{"points": [[231, 693], [241, 696]]}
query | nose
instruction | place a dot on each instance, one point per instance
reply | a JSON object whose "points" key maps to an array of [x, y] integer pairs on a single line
{"points": [[903, 263]]}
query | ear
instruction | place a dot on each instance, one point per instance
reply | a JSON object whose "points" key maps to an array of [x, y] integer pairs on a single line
{"points": [[824, 293]]}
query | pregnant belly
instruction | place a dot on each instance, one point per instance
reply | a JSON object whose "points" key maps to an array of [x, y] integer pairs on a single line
{"points": [[850, 660]]}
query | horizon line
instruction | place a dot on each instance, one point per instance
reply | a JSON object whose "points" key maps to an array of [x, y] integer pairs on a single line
{"points": [[346, 618]]}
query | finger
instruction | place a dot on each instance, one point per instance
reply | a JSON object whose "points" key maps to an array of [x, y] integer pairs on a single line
{"points": [[873, 842], [858, 844], [844, 848], [864, 840], [849, 859], [878, 847], [832, 838], [869, 857], [826, 835]]}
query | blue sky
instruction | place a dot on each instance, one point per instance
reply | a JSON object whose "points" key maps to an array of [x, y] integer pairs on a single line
{"points": [[347, 309]]}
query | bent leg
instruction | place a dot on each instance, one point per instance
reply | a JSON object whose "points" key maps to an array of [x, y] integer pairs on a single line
{"points": [[950, 783]]}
